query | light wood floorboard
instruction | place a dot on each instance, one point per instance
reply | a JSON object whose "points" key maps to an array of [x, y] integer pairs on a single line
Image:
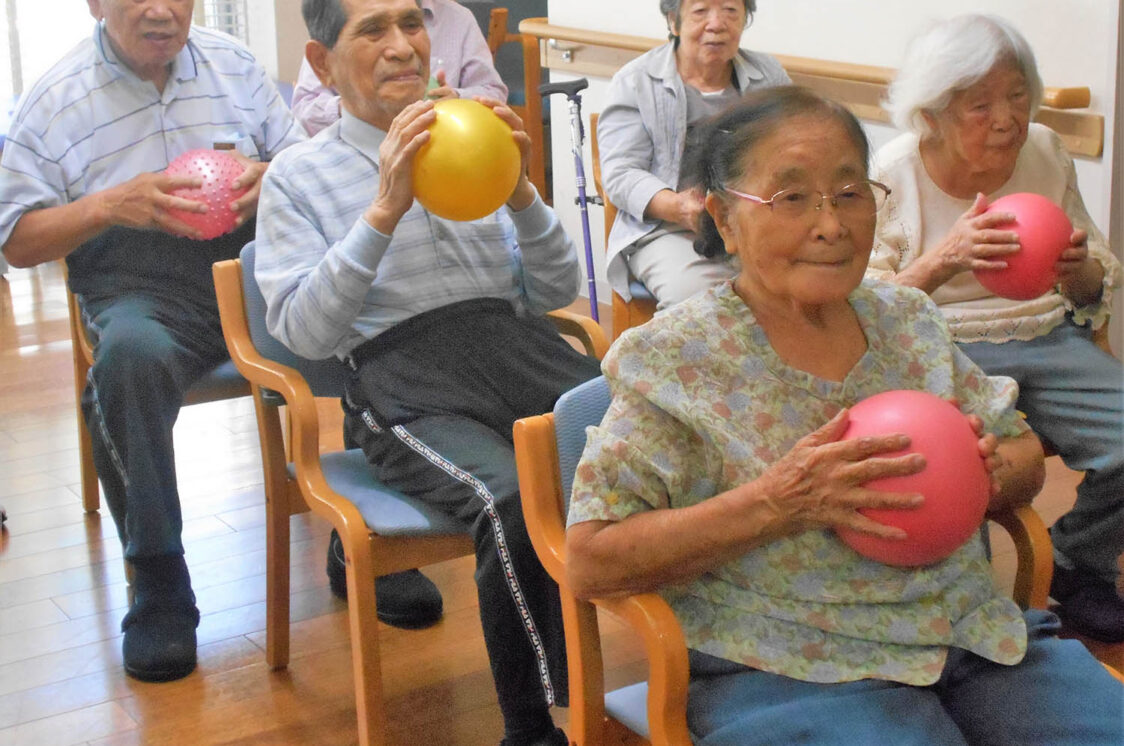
{"points": [[63, 592]]}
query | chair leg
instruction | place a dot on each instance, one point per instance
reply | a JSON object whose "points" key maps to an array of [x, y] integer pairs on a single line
{"points": [[365, 654], [583, 654], [88, 474], [276, 584]]}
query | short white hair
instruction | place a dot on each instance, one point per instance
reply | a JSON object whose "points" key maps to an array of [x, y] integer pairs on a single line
{"points": [[951, 56]]}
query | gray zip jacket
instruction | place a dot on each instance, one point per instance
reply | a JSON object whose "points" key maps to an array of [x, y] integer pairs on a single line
{"points": [[641, 135]]}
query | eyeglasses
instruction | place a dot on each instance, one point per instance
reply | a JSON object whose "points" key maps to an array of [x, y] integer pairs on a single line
{"points": [[859, 200]]}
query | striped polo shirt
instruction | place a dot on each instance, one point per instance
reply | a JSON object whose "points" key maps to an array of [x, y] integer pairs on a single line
{"points": [[90, 123]]}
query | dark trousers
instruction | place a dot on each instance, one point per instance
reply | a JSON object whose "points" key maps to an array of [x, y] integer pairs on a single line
{"points": [[148, 304], [432, 405], [148, 351]]}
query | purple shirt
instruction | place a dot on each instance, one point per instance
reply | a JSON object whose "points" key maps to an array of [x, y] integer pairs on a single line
{"points": [[456, 46]]}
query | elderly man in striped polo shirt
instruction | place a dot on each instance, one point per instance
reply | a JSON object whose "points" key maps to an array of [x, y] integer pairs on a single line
{"points": [[81, 179], [441, 320]]}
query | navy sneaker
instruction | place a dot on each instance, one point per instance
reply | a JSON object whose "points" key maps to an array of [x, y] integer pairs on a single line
{"points": [[159, 642], [405, 599]]}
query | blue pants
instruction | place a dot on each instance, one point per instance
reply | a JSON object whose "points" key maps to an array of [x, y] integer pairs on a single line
{"points": [[1072, 393], [148, 351], [1058, 695]]}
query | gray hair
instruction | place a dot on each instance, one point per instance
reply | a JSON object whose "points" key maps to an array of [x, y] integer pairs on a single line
{"points": [[731, 134], [673, 7], [325, 20], [951, 56]]}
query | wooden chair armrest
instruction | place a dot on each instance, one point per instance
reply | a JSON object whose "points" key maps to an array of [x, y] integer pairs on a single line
{"points": [[539, 491], [582, 328], [666, 649], [1034, 552], [304, 418]]}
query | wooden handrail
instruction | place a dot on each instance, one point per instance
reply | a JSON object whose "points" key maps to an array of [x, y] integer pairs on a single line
{"points": [[862, 88]]}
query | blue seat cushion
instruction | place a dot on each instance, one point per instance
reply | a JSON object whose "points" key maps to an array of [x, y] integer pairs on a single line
{"points": [[629, 705], [386, 511], [639, 292], [224, 382]]}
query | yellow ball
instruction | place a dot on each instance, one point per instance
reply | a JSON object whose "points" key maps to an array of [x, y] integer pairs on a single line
{"points": [[470, 165]]}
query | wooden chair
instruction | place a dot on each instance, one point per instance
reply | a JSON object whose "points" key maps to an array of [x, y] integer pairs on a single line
{"points": [[382, 530], [547, 450], [626, 313], [223, 382], [525, 103]]}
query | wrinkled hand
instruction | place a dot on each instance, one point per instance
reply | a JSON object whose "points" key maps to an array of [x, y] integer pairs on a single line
{"points": [[821, 482], [524, 193], [974, 241], [988, 446], [692, 202], [1080, 277], [246, 206], [443, 90], [407, 134], [144, 201]]}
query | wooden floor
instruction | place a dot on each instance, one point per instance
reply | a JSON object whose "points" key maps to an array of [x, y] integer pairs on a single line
{"points": [[62, 587]]}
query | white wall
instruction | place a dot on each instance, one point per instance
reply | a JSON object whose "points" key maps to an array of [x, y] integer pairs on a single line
{"points": [[1075, 43]]}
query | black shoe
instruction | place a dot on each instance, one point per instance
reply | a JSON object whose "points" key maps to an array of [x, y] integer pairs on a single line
{"points": [[406, 599], [159, 645], [1088, 605], [557, 737], [159, 642]]}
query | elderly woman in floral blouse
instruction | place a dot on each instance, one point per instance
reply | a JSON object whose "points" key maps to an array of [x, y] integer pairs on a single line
{"points": [[718, 476]]}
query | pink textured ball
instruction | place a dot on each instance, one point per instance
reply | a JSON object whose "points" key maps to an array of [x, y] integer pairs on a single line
{"points": [[218, 169], [1044, 231], [954, 482]]}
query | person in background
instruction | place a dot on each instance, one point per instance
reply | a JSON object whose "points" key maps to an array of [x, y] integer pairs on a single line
{"points": [[461, 67], [719, 475], [965, 96], [80, 180], [441, 321], [649, 122]]}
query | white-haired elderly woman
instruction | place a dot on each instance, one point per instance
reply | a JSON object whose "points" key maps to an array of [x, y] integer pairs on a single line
{"points": [[965, 95], [654, 103]]}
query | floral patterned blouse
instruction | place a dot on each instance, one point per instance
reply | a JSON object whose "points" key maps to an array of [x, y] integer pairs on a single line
{"points": [[702, 403]]}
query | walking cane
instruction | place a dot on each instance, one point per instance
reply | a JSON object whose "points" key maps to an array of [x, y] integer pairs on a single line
{"points": [[577, 139]]}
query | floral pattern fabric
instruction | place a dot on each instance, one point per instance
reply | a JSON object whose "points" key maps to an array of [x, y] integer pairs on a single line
{"points": [[701, 403]]}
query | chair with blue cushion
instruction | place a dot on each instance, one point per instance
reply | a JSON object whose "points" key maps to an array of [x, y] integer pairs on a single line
{"points": [[223, 382], [547, 450], [640, 309], [519, 69], [382, 530]]}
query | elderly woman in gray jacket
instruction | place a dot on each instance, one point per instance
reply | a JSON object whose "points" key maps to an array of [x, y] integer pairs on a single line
{"points": [[653, 105]]}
